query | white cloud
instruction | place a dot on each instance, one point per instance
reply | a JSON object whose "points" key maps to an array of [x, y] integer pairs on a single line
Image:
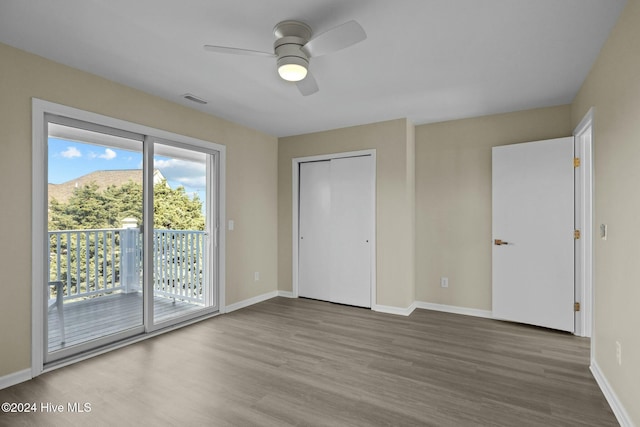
{"points": [[108, 154], [71, 152], [199, 182], [191, 175]]}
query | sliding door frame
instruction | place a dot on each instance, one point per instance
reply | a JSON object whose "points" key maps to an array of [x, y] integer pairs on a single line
{"points": [[212, 229], [66, 352], [40, 109]]}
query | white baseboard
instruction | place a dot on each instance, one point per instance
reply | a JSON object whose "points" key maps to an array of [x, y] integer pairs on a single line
{"points": [[286, 294], [15, 378], [394, 310], [250, 301], [454, 309], [615, 404]]}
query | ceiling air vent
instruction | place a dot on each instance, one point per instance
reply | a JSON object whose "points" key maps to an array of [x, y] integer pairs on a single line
{"points": [[194, 98]]}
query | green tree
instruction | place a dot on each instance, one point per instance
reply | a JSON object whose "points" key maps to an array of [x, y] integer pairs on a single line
{"points": [[175, 210], [122, 202], [90, 208], [85, 209]]}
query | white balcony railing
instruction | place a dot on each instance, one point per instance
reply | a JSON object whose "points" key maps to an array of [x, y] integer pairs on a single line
{"points": [[178, 264], [105, 261]]}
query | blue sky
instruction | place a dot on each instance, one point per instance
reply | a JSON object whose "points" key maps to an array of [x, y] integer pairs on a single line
{"points": [[69, 160]]}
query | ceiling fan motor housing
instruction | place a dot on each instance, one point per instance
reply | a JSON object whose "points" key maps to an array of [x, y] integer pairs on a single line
{"points": [[288, 50], [290, 37]]}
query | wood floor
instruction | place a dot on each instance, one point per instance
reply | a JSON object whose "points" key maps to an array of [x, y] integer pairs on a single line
{"points": [[303, 362]]}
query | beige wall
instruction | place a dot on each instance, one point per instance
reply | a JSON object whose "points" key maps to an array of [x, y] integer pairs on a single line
{"points": [[393, 142], [453, 199], [251, 182], [613, 88]]}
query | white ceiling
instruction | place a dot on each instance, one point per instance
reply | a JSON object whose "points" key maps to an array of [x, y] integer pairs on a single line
{"points": [[426, 60]]}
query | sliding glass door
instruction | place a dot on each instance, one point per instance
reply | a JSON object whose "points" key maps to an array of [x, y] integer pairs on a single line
{"points": [[184, 233], [93, 292], [131, 236]]}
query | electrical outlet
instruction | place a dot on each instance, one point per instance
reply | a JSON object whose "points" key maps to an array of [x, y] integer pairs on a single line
{"points": [[256, 276], [444, 282], [619, 352]]}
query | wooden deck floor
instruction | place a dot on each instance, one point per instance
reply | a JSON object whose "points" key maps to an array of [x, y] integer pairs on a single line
{"points": [[97, 317]]}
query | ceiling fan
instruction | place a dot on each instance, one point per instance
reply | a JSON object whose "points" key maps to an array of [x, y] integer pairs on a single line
{"points": [[294, 47]]}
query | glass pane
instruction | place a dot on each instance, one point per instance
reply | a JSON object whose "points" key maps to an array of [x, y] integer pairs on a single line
{"points": [[181, 248], [94, 253]]}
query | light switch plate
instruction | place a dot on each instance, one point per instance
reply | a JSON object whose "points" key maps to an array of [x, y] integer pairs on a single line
{"points": [[231, 224], [603, 231]]}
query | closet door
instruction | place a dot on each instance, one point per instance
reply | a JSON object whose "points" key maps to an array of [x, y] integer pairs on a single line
{"points": [[315, 221], [336, 219], [351, 225]]}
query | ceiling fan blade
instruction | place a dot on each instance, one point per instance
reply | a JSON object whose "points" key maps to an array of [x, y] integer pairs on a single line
{"points": [[335, 39], [237, 51], [308, 85]]}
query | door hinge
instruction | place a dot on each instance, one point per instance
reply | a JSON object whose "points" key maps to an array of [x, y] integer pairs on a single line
{"points": [[576, 234], [576, 306], [576, 162]]}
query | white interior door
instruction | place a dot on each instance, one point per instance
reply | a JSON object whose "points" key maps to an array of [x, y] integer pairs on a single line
{"points": [[533, 224], [335, 220]]}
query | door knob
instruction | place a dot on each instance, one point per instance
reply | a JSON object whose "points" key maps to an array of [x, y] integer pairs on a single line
{"points": [[499, 242]]}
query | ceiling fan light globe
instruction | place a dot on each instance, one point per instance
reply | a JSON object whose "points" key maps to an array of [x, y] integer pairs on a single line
{"points": [[292, 72]]}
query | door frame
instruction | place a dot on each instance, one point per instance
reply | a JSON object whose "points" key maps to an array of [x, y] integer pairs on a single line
{"points": [[39, 220], [295, 179], [583, 149]]}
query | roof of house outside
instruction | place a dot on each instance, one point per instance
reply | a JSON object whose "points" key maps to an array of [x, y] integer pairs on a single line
{"points": [[103, 178]]}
